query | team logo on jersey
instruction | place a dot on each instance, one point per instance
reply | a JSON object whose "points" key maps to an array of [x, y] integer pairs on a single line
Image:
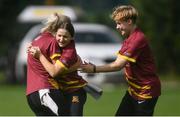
{"points": [[75, 99], [127, 54], [140, 102]]}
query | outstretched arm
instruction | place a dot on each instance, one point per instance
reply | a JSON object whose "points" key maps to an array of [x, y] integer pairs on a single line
{"points": [[117, 65]]}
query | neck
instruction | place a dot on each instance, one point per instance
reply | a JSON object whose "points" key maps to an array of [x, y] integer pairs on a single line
{"points": [[133, 28]]}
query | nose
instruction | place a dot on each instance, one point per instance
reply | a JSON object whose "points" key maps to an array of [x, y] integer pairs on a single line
{"points": [[118, 26], [60, 39]]}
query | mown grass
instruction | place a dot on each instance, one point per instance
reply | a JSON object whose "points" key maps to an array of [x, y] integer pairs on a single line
{"points": [[13, 101]]}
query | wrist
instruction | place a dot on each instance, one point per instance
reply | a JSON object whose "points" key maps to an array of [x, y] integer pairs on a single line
{"points": [[94, 68]]}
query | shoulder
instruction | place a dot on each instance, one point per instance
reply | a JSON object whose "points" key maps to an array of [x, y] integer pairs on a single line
{"points": [[48, 41], [139, 36], [48, 38], [137, 39]]}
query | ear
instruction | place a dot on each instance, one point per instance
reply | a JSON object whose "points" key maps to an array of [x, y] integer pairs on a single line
{"points": [[129, 21]]}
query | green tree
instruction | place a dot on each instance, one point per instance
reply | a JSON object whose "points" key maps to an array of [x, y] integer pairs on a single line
{"points": [[160, 21]]}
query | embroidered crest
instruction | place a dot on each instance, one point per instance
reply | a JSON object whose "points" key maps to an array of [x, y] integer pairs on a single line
{"points": [[75, 99]]}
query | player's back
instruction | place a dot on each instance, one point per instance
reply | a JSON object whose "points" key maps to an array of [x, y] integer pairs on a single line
{"points": [[37, 76]]}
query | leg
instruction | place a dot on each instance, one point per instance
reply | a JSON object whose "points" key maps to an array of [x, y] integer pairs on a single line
{"points": [[59, 99], [76, 101], [126, 107], [35, 105]]}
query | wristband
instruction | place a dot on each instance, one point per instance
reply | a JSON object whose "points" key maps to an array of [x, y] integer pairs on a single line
{"points": [[94, 68]]}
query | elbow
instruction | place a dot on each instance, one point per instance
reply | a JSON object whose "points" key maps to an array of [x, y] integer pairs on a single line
{"points": [[53, 74]]}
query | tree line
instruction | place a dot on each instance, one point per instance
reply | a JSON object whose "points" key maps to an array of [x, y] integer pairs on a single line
{"points": [[158, 19]]}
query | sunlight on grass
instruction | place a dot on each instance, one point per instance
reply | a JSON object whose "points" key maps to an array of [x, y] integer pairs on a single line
{"points": [[2, 76], [13, 101]]}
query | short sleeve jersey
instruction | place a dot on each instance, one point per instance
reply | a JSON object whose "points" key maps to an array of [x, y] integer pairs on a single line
{"points": [[140, 69], [37, 77], [71, 81]]}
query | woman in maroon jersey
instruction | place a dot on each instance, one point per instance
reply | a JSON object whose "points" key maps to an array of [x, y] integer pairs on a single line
{"points": [[71, 84], [137, 59], [43, 95]]}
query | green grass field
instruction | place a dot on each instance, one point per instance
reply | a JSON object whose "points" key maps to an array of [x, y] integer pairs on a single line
{"points": [[13, 101]]}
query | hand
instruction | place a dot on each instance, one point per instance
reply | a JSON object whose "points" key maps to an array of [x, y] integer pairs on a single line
{"points": [[76, 65], [35, 51], [87, 67], [29, 45]]}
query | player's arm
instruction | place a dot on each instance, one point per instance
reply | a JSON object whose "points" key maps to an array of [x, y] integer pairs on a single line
{"points": [[75, 66], [117, 65], [72, 68], [53, 69]]}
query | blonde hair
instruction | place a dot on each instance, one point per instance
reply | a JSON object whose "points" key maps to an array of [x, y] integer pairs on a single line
{"points": [[53, 22], [69, 27], [125, 12]]}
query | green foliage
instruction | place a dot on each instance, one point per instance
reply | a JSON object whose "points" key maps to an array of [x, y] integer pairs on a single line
{"points": [[160, 21]]}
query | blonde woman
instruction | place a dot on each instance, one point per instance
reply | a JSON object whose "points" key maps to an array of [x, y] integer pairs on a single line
{"points": [[43, 95], [70, 83]]}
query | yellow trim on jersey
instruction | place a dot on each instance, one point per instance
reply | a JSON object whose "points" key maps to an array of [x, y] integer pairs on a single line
{"points": [[61, 64], [73, 87], [137, 86], [127, 58], [55, 55], [70, 82], [129, 90], [128, 75], [133, 84], [144, 96], [53, 83], [146, 87]]}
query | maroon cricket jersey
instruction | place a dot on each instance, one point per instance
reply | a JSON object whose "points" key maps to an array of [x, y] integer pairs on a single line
{"points": [[71, 81], [140, 70], [37, 77]]}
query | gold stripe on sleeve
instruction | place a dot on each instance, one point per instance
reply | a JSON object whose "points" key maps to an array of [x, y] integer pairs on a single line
{"points": [[127, 58], [61, 64], [55, 55]]}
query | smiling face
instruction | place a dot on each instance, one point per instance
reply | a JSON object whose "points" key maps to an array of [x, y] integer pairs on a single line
{"points": [[125, 17], [63, 37], [124, 27]]}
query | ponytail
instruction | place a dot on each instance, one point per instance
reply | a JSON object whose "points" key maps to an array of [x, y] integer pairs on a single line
{"points": [[53, 22]]}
